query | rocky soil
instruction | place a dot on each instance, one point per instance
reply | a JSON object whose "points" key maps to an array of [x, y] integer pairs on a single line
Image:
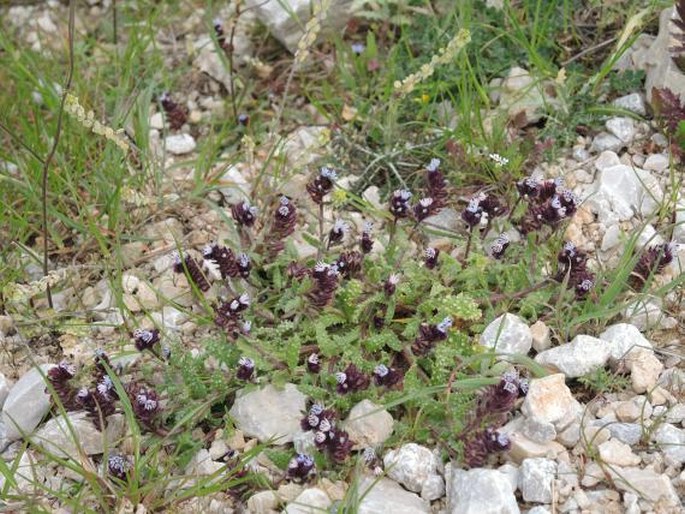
{"points": [[617, 452]]}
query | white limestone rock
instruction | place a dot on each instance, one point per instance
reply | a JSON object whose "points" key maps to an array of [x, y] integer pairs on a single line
{"points": [[180, 144], [268, 413], [382, 496], [411, 465], [581, 356], [479, 491], [536, 477], [507, 334], [368, 424], [27, 403]]}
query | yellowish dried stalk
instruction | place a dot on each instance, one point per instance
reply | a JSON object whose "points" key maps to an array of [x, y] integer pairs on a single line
{"points": [[87, 119], [444, 56], [311, 31]]}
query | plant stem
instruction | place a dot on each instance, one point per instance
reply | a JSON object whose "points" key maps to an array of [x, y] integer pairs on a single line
{"points": [[468, 244], [55, 142], [319, 254]]}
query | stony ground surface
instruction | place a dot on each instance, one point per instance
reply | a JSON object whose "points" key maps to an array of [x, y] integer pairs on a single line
{"points": [[618, 452]]}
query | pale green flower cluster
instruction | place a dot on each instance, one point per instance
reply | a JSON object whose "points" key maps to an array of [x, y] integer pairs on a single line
{"points": [[311, 31], [87, 119], [20, 293], [444, 56]]}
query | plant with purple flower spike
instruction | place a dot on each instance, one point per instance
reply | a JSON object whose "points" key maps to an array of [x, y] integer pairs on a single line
{"points": [[244, 214], [223, 258], [145, 339], [176, 114], [437, 184], [245, 370], [429, 335], [351, 380], [118, 466], [145, 404], [652, 261], [481, 436], [366, 242], [431, 257], [244, 265], [282, 225], [388, 377], [300, 467], [391, 284], [314, 363], [499, 246], [228, 314], [192, 270], [325, 283], [399, 203], [337, 233], [59, 377], [424, 208], [349, 263], [321, 185]]}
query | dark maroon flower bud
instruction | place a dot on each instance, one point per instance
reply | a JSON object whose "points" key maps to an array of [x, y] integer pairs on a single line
{"points": [[340, 445], [284, 221], [399, 203], [548, 188], [384, 376], [431, 257], [322, 184], [351, 380], [491, 205], [366, 243], [59, 377], [349, 263], [325, 283], [102, 362], [425, 208], [297, 271], [145, 339], [569, 201], [176, 114], [145, 403], [314, 363], [390, 285], [223, 258], [652, 261], [429, 335], [499, 246], [571, 257], [584, 284], [337, 233], [437, 184], [496, 441], [528, 187], [473, 213], [245, 368], [244, 265], [228, 314], [192, 270], [118, 466], [300, 467], [244, 213], [500, 398], [219, 33]]}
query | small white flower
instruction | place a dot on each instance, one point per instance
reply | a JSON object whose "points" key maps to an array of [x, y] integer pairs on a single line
{"points": [[328, 173], [246, 362], [499, 160], [394, 279], [208, 249], [247, 326], [368, 227], [381, 370], [320, 437], [429, 252], [444, 325], [426, 202], [433, 165], [402, 194], [243, 260], [341, 226], [510, 387], [313, 358], [474, 205], [316, 409], [341, 377], [313, 420], [320, 267], [368, 455], [325, 425], [234, 305], [244, 299]]}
